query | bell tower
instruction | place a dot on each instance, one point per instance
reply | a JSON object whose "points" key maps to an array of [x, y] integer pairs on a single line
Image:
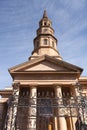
{"points": [[45, 42]]}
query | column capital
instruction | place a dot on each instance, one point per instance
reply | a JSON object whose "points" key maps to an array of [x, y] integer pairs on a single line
{"points": [[77, 84], [57, 85], [33, 85], [58, 91], [33, 91], [16, 85]]}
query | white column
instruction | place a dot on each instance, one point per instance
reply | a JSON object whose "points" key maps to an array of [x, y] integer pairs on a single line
{"points": [[62, 120], [15, 104], [32, 109]]}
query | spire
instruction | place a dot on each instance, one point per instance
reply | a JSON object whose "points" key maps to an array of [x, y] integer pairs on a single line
{"points": [[45, 14], [45, 42]]}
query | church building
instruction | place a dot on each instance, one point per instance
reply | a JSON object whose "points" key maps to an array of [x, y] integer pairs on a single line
{"points": [[47, 92]]}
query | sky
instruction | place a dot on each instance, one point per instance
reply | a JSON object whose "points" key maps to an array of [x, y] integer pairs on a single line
{"points": [[19, 20]]}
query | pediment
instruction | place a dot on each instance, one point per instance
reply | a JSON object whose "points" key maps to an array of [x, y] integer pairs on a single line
{"points": [[45, 66], [45, 63]]}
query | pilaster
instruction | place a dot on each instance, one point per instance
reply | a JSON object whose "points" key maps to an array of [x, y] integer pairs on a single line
{"points": [[9, 115], [15, 104]]}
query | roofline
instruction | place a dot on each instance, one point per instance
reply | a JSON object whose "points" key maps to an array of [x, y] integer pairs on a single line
{"points": [[54, 60]]}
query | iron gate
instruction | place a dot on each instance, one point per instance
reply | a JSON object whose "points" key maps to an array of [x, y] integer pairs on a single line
{"points": [[43, 111], [48, 108]]}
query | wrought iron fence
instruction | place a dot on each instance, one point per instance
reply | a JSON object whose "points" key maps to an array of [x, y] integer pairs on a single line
{"points": [[46, 108], [74, 106]]}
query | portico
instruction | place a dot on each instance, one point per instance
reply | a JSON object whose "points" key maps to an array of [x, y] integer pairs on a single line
{"points": [[37, 103]]}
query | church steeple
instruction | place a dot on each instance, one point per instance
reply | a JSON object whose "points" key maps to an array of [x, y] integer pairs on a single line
{"points": [[45, 42], [45, 14]]}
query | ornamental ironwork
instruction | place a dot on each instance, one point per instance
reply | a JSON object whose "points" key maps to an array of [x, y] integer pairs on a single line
{"points": [[33, 110]]}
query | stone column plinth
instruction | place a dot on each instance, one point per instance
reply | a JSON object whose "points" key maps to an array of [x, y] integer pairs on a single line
{"points": [[15, 104], [62, 120], [50, 127], [55, 123], [32, 108]]}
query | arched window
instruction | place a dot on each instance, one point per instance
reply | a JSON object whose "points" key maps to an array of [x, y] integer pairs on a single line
{"points": [[37, 44], [45, 41], [52, 44], [45, 23]]}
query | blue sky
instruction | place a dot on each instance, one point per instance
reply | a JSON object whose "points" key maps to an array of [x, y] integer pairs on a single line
{"points": [[19, 21]]}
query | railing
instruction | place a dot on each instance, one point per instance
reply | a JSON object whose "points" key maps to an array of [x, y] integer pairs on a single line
{"points": [[74, 106], [47, 108]]}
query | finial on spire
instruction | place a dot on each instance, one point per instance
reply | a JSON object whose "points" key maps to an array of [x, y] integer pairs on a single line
{"points": [[45, 14]]}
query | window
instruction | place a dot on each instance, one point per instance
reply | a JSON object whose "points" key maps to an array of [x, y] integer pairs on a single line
{"points": [[45, 101], [37, 45], [45, 41], [45, 23], [52, 44], [66, 92], [49, 24], [24, 91], [45, 108]]}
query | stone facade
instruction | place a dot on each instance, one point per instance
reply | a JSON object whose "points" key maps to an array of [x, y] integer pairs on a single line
{"points": [[47, 92]]}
